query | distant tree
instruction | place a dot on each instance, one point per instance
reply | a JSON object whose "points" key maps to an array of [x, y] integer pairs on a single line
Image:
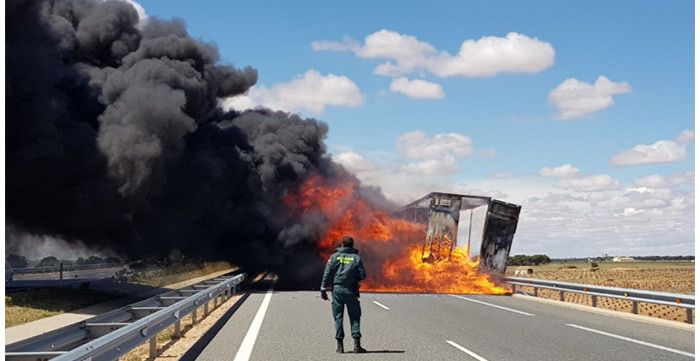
{"points": [[112, 260], [523, 260], [49, 261], [94, 260], [16, 261], [539, 259]]}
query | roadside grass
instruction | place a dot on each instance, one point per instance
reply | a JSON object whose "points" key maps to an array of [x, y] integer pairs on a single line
{"points": [[177, 273], [26, 306]]}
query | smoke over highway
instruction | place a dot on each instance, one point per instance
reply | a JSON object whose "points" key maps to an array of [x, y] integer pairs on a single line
{"points": [[115, 139]]}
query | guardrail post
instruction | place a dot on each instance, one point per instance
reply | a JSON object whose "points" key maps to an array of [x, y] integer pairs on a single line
{"points": [[635, 307], [534, 292], [178, 332], [561, 295], [689, 315], [594, 300], [512, 286], [60, 271], [206, 308], [194, 316], [152, 347]]}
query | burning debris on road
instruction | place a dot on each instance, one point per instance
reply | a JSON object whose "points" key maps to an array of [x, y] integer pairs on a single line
{"points": [[116, 139]]}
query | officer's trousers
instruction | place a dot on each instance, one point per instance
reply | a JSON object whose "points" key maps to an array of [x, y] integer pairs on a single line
{"points": [[346, 297]]}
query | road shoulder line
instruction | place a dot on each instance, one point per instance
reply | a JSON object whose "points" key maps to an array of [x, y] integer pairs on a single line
{"points": [[246, 348]]}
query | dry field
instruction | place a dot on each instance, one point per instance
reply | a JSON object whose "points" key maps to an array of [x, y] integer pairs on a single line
{"points": [[675, 277]]}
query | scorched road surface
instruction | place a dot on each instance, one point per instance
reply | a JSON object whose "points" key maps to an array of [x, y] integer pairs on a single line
{"points": [[298, 325]]}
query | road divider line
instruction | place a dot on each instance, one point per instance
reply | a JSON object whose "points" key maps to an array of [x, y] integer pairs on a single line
{"points": [[632, 340], [470, 353], [492, 305], [380, 305], [246, 348]]}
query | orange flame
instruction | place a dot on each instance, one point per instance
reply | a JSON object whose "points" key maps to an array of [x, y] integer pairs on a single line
{"points": [[391, 247]]}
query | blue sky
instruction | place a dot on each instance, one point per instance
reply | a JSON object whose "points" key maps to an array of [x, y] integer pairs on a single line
{"points": [[507, 124]]}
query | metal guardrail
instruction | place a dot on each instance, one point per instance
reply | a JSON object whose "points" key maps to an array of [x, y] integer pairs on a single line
{"points": [[113, 334], [633, 295], [67, 267]]}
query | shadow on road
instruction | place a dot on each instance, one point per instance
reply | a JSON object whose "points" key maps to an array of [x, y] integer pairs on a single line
{"points": [[382, 351]]}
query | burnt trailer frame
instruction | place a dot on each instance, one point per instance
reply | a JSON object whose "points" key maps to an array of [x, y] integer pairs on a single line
{"points": [[440, 212]]}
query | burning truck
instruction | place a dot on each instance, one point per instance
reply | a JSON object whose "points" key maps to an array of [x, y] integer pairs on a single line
{"points": [[420, 248], [442, 211]]}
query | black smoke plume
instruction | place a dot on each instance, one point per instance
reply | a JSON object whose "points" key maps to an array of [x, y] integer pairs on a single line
{"points": [[115, 138]]}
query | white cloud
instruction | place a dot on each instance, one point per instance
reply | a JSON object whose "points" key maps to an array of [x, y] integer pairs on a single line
{"points": [[687, 177], [491, 55], [417, 145], [594, 183], [436, 155], [417, 89], [442, 166], [672, 180], [487, 56], [686, 136], [663, 151], [562, 171], [354, 162], [652, 181], [311, 92], [576, 99]]}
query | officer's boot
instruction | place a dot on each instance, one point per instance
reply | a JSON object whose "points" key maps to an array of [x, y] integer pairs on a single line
{"points": [[340, 347], [358, 348]]}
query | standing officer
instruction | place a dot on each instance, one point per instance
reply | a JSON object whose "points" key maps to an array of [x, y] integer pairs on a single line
{"points": [[345, 270]]}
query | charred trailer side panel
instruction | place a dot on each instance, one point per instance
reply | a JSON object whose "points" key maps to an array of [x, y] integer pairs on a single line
{"points": [[499, 229], [441, 235]]}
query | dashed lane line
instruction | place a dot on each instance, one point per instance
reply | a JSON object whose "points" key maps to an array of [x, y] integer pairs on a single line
{"points": [[380, 305], [632, 340], [470, 353], [493, 305]]}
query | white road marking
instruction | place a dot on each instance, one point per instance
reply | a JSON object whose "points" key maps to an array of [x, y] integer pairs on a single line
{"points": [[380, 305], [632, 340], [470, 353], [246, 348], [492, 305]]}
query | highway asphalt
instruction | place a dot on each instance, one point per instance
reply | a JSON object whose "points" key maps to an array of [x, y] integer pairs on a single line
{"points": [[297, 325]]}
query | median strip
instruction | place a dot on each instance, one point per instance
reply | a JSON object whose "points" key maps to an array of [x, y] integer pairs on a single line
{"points": [[632, 340], [492, 305]]}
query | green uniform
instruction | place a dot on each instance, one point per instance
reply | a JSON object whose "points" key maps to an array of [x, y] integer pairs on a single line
{"points": [[345, 271]]}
